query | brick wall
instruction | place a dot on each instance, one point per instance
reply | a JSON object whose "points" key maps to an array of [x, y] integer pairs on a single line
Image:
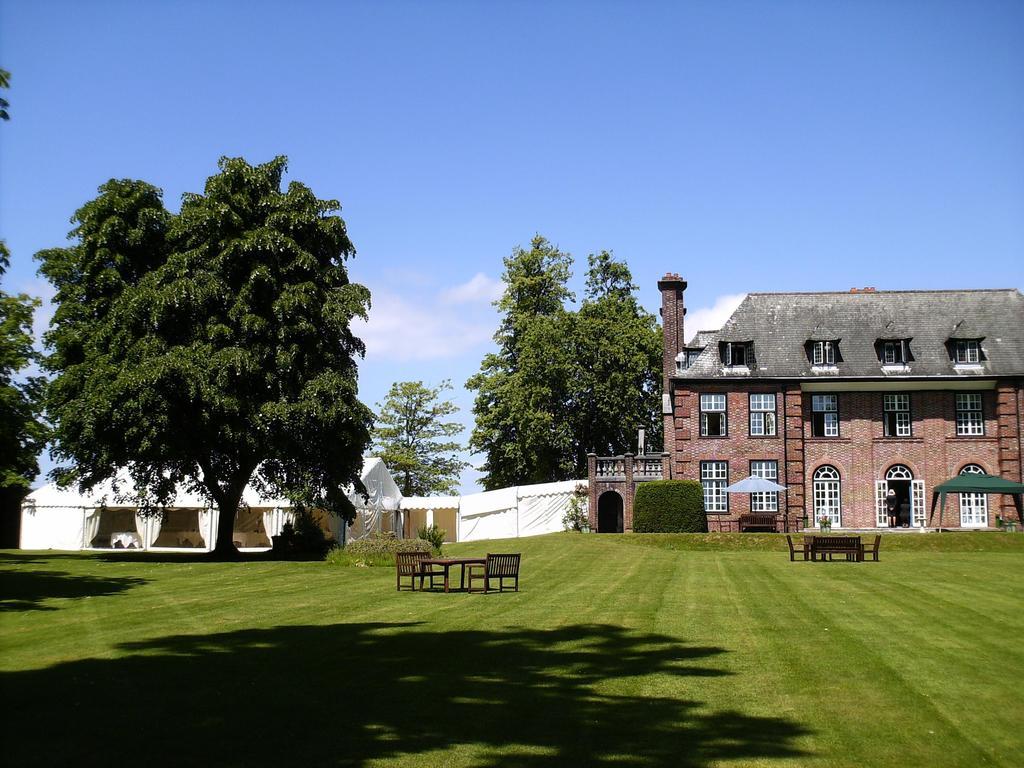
{"points": [[862, 454]]}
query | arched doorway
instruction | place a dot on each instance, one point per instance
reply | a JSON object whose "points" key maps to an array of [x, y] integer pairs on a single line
{"points": [[609, 513], [827, 496], [973, 506], [909, 498]]}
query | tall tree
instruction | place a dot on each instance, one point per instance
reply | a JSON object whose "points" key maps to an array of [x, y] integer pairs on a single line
{"points": [[412, 436], [22, 434], [212, 348], [523, 390], [564, 383], [618, 348]]}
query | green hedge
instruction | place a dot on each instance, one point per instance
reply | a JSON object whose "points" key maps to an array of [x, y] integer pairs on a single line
{"points": [[669, 506]]}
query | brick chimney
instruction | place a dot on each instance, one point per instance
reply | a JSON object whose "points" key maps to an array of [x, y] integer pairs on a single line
{"points": [[672, 287]]}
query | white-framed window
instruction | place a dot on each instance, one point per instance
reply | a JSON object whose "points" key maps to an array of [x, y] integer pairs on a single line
{"points": [[827, 495], [736, 353], [762, 415], [713, 417], [896, 415], [967, 351], [714, 476], [973, 506], [825, 415], [823, 353], [764, 501], [969, 419], [894, 352], [899, 472]]}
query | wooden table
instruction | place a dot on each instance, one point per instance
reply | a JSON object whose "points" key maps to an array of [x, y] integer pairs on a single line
{"points": [[447, 562]]}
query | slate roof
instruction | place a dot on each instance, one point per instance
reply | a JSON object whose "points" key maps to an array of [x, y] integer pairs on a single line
{"points": [[781, 324], [701, 339]]}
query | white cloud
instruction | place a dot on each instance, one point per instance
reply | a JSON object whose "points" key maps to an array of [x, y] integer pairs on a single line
{"points": [[711, 318], [480, 288], [401, 330]]}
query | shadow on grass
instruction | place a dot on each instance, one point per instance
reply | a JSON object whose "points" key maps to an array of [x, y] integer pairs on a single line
{"points": [[347, 694], [26, 590]]}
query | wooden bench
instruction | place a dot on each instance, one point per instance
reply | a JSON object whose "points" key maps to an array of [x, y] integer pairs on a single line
{"points": [[766, 521], [804, 549], [871, 550], [410, 565], [849, 546], [498, 567]]}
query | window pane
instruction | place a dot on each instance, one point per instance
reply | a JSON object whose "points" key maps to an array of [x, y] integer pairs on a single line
{"points": [[714, 478], [756, 423], [831, 425], [712, 402], [823, 402]]}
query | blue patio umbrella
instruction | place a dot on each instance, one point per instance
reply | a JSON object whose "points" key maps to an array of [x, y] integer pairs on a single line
{"points": [[754, 484]]}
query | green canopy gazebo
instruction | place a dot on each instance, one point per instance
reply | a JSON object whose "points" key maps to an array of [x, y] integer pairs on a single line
{"points": [[977, 484]]}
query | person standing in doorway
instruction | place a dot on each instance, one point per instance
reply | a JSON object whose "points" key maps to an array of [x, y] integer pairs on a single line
{"points": [[892, 505]]}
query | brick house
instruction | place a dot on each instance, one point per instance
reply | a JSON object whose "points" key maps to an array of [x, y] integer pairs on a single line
{"points": [[840, 397]]}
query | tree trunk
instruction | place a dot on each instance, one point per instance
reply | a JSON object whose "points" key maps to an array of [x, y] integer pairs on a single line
{"points": [[225, 548]]}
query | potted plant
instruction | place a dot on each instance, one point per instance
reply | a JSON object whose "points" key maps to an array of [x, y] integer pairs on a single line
{"points": [[825, 524]]}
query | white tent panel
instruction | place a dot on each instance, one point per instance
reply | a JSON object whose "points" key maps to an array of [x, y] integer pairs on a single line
{"points": [[51, 527], [430, 502], [542, 506], [488, 515]]}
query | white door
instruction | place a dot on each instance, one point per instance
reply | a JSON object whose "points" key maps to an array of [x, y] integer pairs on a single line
{"points": [[827, 496], [881, 515], [973, 510], [917, 511], [973, 506]]}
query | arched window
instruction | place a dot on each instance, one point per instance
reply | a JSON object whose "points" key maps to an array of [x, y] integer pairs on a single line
{"points": [[973, 506], [827, 496], [899, 472]]}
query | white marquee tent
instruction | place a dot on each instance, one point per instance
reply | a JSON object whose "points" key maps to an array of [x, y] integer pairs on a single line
{"points": [[525, 510], [62, 518]]}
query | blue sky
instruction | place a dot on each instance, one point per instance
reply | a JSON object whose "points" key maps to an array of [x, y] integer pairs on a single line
{"points": [[749, 146]]}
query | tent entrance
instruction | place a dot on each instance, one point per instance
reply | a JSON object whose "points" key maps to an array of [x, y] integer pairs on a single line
{"points": [[250, 531], [114, 529], [181, 529]]}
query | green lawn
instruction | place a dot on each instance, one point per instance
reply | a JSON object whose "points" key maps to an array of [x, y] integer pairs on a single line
{"points": [[618, 651]]}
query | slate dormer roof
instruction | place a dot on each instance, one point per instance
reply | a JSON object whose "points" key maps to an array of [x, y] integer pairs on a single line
{"points": [[701, 339], [781, 324]]}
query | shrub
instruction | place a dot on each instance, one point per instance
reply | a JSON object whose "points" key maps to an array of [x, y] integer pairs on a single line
{"points": [[669, 506], [304, 538], [377, 549], [434, 535], [575, 517]]}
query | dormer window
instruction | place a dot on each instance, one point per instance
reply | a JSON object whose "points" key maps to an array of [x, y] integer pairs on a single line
{"points": [[737, 354], [687, 357], [894, 351], [823, 353], [966, 351]]}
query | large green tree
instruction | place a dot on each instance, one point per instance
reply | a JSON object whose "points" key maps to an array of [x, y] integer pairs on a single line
{"points": [[619, 351], [413, 437], [22, 434], [211, 348], [563, 382], [523, 426]]}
